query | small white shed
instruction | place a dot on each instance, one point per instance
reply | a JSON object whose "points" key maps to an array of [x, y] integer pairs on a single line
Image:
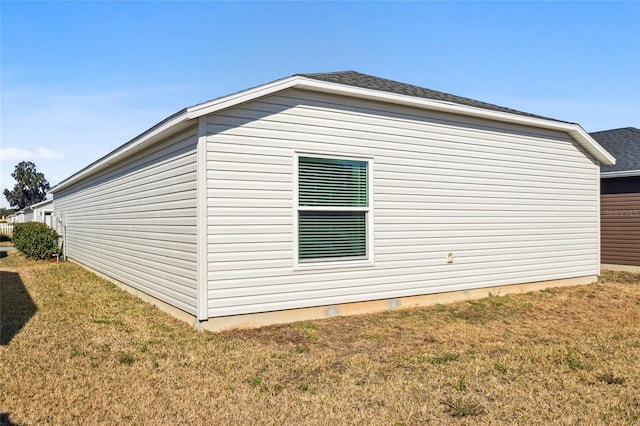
{"points": [[329, 194]]}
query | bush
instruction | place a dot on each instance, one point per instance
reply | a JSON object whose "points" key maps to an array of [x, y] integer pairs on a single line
{"points": [[35, 240]]}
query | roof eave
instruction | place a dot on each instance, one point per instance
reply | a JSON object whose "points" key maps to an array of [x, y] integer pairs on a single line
{"points": [[176, 122], [171, 125], [42, 203], [304, 83], [574, 130], [621, 173]]}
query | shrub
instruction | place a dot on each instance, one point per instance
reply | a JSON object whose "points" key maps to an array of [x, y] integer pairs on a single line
{"points": [[35, 240]]}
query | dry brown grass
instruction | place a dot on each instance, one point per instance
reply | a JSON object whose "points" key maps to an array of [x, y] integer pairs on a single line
{"points": [[76, 350]]}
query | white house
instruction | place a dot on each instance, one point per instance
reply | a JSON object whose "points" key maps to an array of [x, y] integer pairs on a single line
{"points": [[39, 212], [338, 193], [20, 216], [43, 212], [12, 218]]}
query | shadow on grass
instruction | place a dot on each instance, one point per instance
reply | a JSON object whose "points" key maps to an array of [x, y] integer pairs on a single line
{"points": [[4, 420], [3, 254], [16, 306]]}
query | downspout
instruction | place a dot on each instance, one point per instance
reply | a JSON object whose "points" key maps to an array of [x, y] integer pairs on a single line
{"points": [[61, 228], [201, 225], [599, 218]]}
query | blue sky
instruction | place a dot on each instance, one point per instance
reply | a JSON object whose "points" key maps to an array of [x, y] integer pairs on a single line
{"points": [[78, 79]]}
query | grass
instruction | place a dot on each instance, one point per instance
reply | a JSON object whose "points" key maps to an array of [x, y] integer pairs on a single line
{"points": [[75, 349]]}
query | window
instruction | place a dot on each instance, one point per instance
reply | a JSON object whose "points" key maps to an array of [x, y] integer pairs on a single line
{"points": [[333, 209]]}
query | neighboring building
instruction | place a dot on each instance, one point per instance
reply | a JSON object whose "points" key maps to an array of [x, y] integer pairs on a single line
{"points": [[27, 214], [17, 217], [12, 218], [620, 197], [43, 212], [39, 212], [329, 194]]}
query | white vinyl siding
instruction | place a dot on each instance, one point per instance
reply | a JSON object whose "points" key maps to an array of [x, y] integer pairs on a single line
{"points": [[514, 204], [136, 221]]}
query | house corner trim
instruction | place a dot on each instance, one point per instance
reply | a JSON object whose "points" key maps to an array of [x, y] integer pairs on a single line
{"points": [[201, 225]]}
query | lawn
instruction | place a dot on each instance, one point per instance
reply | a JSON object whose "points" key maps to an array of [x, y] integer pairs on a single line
{"points": [[74, 349]]}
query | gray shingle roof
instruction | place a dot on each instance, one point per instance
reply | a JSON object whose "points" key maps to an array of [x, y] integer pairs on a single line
{"points": [[353, 78], [624, 144]]}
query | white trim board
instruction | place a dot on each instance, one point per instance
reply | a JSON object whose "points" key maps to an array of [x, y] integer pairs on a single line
{"points": [[622, 173], [184, 118]]}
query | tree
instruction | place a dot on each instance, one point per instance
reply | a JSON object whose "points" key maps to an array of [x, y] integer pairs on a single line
{"points": [[31, 186], [6, 212]]}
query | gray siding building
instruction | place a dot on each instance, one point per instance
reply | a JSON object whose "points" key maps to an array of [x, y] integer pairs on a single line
{"points": [[330, 194]]}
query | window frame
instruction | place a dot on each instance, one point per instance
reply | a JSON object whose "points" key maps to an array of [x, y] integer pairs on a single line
{"points": [[368, 259]]}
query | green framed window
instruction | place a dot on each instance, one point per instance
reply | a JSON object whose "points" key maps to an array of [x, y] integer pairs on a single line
{"points": [[333, 209]]}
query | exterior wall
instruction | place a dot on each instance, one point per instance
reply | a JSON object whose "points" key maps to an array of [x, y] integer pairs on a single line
{"points": [[17, 217], [369, 307], [514, 204], [43, 213], [620, 221], [28, 216], [136, 221]]}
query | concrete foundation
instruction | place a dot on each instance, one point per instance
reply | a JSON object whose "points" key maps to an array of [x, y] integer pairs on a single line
{"points": [[624, 268], [359, 308], [356, 308]]}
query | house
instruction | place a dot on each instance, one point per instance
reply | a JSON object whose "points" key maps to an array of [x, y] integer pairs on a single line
{"points": [[12, 218], [43, 212], [337, 193], [20, 216], [39, 212], [620, 197]]}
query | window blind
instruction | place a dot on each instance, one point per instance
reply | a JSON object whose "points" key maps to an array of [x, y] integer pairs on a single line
{"points": [[332, 234], [323, 232], [332, 182]]}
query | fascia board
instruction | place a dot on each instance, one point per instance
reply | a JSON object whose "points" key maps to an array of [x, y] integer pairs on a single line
{"points": [[171, 125], [132, 146], [41, 203], [241, 97], [574, 130], [622, 173], [593, 147], [298, 82]]}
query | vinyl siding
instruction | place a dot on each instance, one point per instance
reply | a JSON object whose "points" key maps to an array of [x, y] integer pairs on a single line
{"points": [[39, 212], [514, 204], [620, 224], [136, 221]]}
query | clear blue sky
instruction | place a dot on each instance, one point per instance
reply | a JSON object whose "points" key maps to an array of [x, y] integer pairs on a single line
{"points": [[81, 78]]}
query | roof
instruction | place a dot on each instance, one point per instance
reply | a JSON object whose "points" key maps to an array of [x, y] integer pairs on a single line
{"points": [[624, 144], [356, 79], [343, 83], [41, 203]]}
